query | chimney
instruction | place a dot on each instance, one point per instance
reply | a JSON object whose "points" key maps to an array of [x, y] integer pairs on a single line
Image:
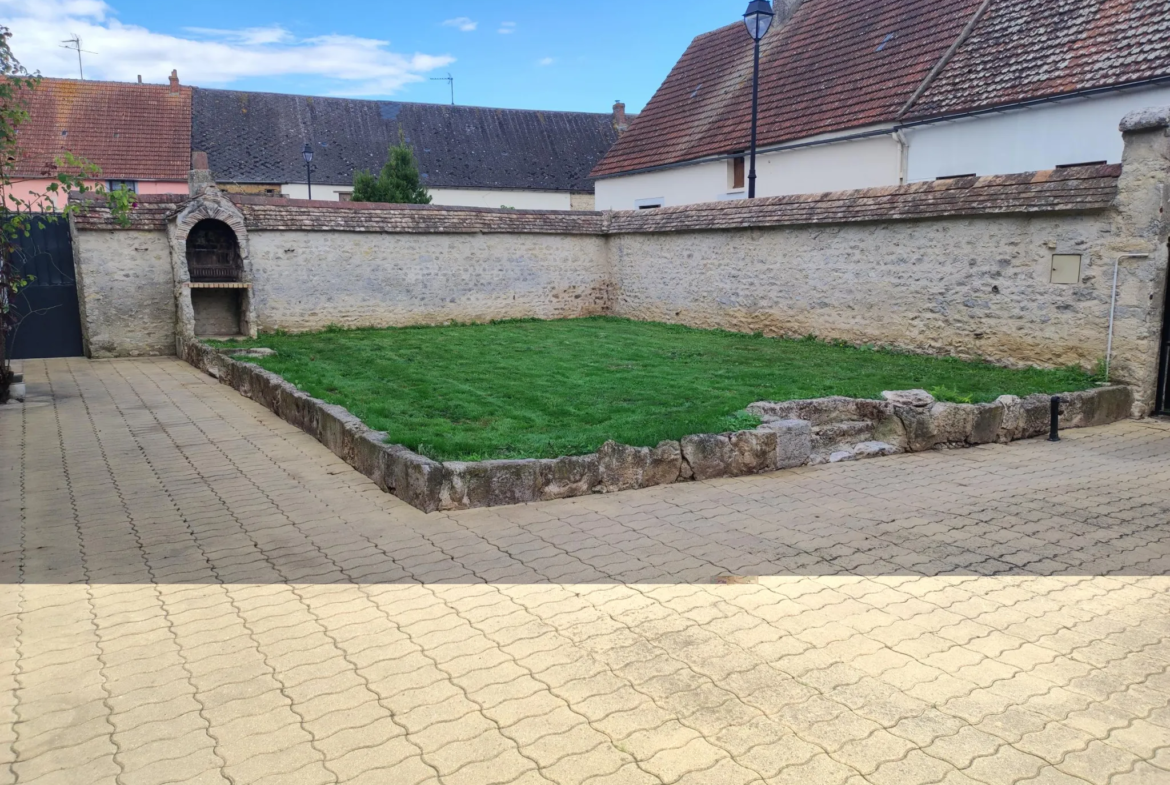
{"points": [[200, 175], [620, 124], [174, 80], [140, 79]]}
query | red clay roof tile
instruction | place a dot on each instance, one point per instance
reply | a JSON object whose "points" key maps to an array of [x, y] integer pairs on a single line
{"points": [[835, 65], [131, 131], [1028, 49]]}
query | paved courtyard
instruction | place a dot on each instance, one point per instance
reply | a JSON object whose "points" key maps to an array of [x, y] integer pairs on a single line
{"points": [[193, 591]]}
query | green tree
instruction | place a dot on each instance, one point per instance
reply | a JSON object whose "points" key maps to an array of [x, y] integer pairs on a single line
{"points": [[398, 183], [20, 211]]}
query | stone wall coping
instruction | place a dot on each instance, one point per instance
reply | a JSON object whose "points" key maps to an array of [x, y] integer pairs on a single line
{"points": [[792, 434], [1071, 190], [1148, 119]]}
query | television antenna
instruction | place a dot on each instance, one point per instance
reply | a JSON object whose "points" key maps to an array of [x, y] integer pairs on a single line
{"points": [[449, 80], [74, 43]]}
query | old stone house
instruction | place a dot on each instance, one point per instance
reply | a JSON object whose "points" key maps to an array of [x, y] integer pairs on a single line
{"points": [[469, 156], [858, 94]]}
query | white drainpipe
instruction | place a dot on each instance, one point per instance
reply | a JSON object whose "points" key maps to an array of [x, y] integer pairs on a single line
{"points": [[1113, 306]]}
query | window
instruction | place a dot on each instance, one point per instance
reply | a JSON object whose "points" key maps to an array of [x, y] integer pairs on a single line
{"points": [[736, 173], [650, 204], [956, 176], [1086, 163], [345, 196], [122, 185]]}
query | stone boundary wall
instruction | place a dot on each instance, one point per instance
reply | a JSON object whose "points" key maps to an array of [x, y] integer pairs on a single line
{"points": [[958, 267], [793, 433]]}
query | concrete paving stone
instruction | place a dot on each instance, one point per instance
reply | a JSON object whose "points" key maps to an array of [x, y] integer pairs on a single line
{"points": [[878, 589]]}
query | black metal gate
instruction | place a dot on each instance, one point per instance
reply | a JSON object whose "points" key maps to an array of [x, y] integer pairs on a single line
{"points": [[50, 317]]}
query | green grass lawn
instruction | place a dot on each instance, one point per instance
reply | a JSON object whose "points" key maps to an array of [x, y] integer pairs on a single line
{"points": [[531, 389]]}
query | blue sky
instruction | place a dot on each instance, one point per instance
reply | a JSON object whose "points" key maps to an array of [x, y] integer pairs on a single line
{"points": [[535, 55]]}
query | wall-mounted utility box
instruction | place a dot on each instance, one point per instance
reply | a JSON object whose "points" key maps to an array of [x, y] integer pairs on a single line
{"points": [[1066, 268]]}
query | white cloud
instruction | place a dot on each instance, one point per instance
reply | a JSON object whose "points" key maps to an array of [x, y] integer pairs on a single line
{"points": [[462, 23], [507, 28], [545, 62], [208, 56]]}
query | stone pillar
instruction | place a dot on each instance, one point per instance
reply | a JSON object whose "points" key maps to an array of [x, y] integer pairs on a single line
{"points": [[1138, 248]]}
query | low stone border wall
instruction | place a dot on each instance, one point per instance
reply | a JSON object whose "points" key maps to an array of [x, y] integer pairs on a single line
{"points": [[793, 433]]}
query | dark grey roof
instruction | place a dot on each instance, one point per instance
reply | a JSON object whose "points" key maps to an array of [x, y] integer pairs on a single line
{"points": [[258, 138]]}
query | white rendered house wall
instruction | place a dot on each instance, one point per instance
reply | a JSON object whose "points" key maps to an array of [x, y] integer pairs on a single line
{"points": [[455, 197], [1027, 139], [839, 166]]}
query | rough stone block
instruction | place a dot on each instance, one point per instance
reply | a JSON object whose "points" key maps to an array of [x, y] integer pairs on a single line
{"points": [[874, 450], [987, 423], [415, 479], [793, 442], [1100, 406], [571, 476], [918, 399], [370, 452], [338, 430], [622, 467], [919, 428], [709, 455], [664, 466], [490, 483], [823, 411], [1037, 415], [753, 452], [952, 422]]}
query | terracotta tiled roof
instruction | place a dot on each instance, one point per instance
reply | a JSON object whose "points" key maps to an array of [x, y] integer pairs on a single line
{"points": [[1026, 49], [835, 65], [131, 131], [1076, 189]]}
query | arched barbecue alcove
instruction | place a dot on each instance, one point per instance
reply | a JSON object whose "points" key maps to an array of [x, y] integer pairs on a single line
{"points": [[213, 253], [216, 268]]}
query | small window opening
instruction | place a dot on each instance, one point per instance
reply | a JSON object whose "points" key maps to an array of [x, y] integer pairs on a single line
{"points": [[650, 204], [736, 173], [1086, 163], [345, 196], [122, 185], [213, 253], [956, 176]]}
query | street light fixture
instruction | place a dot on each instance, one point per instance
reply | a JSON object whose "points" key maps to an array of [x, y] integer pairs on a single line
{"points": [[308, 154], [758, 19]]}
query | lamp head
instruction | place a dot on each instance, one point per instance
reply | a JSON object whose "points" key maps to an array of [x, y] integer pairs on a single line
{"points": [[758, 18], [308, 153]]}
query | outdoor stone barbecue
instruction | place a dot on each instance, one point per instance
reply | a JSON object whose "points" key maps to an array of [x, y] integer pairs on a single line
{"points": [[793, 433]]}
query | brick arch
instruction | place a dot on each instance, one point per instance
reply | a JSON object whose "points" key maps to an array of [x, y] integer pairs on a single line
{"points": [[206, 209]]}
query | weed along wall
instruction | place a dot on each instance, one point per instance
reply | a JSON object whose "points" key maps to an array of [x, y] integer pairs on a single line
{"points": [[1018, 269]]}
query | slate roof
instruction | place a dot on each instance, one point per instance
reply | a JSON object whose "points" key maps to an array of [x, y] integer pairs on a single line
{"points": [[258, 137], [838, 65], [1027, 49], [132, 131], [1071, 190], [834, 65]]}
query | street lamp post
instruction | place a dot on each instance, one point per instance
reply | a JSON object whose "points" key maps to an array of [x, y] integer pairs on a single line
{"points": [[758, 19], [308, 153]]}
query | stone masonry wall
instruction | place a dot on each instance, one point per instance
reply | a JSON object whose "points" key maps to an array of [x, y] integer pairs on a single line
{"points": [[951, 267], [972, 287], [309, 280], [126, 289]]}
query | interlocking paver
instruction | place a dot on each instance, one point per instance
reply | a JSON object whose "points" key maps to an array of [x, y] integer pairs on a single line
{"points": [[196, 591]]}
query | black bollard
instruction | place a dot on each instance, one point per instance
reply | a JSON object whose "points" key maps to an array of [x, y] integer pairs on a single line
{"points": [[1054, 434]]}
